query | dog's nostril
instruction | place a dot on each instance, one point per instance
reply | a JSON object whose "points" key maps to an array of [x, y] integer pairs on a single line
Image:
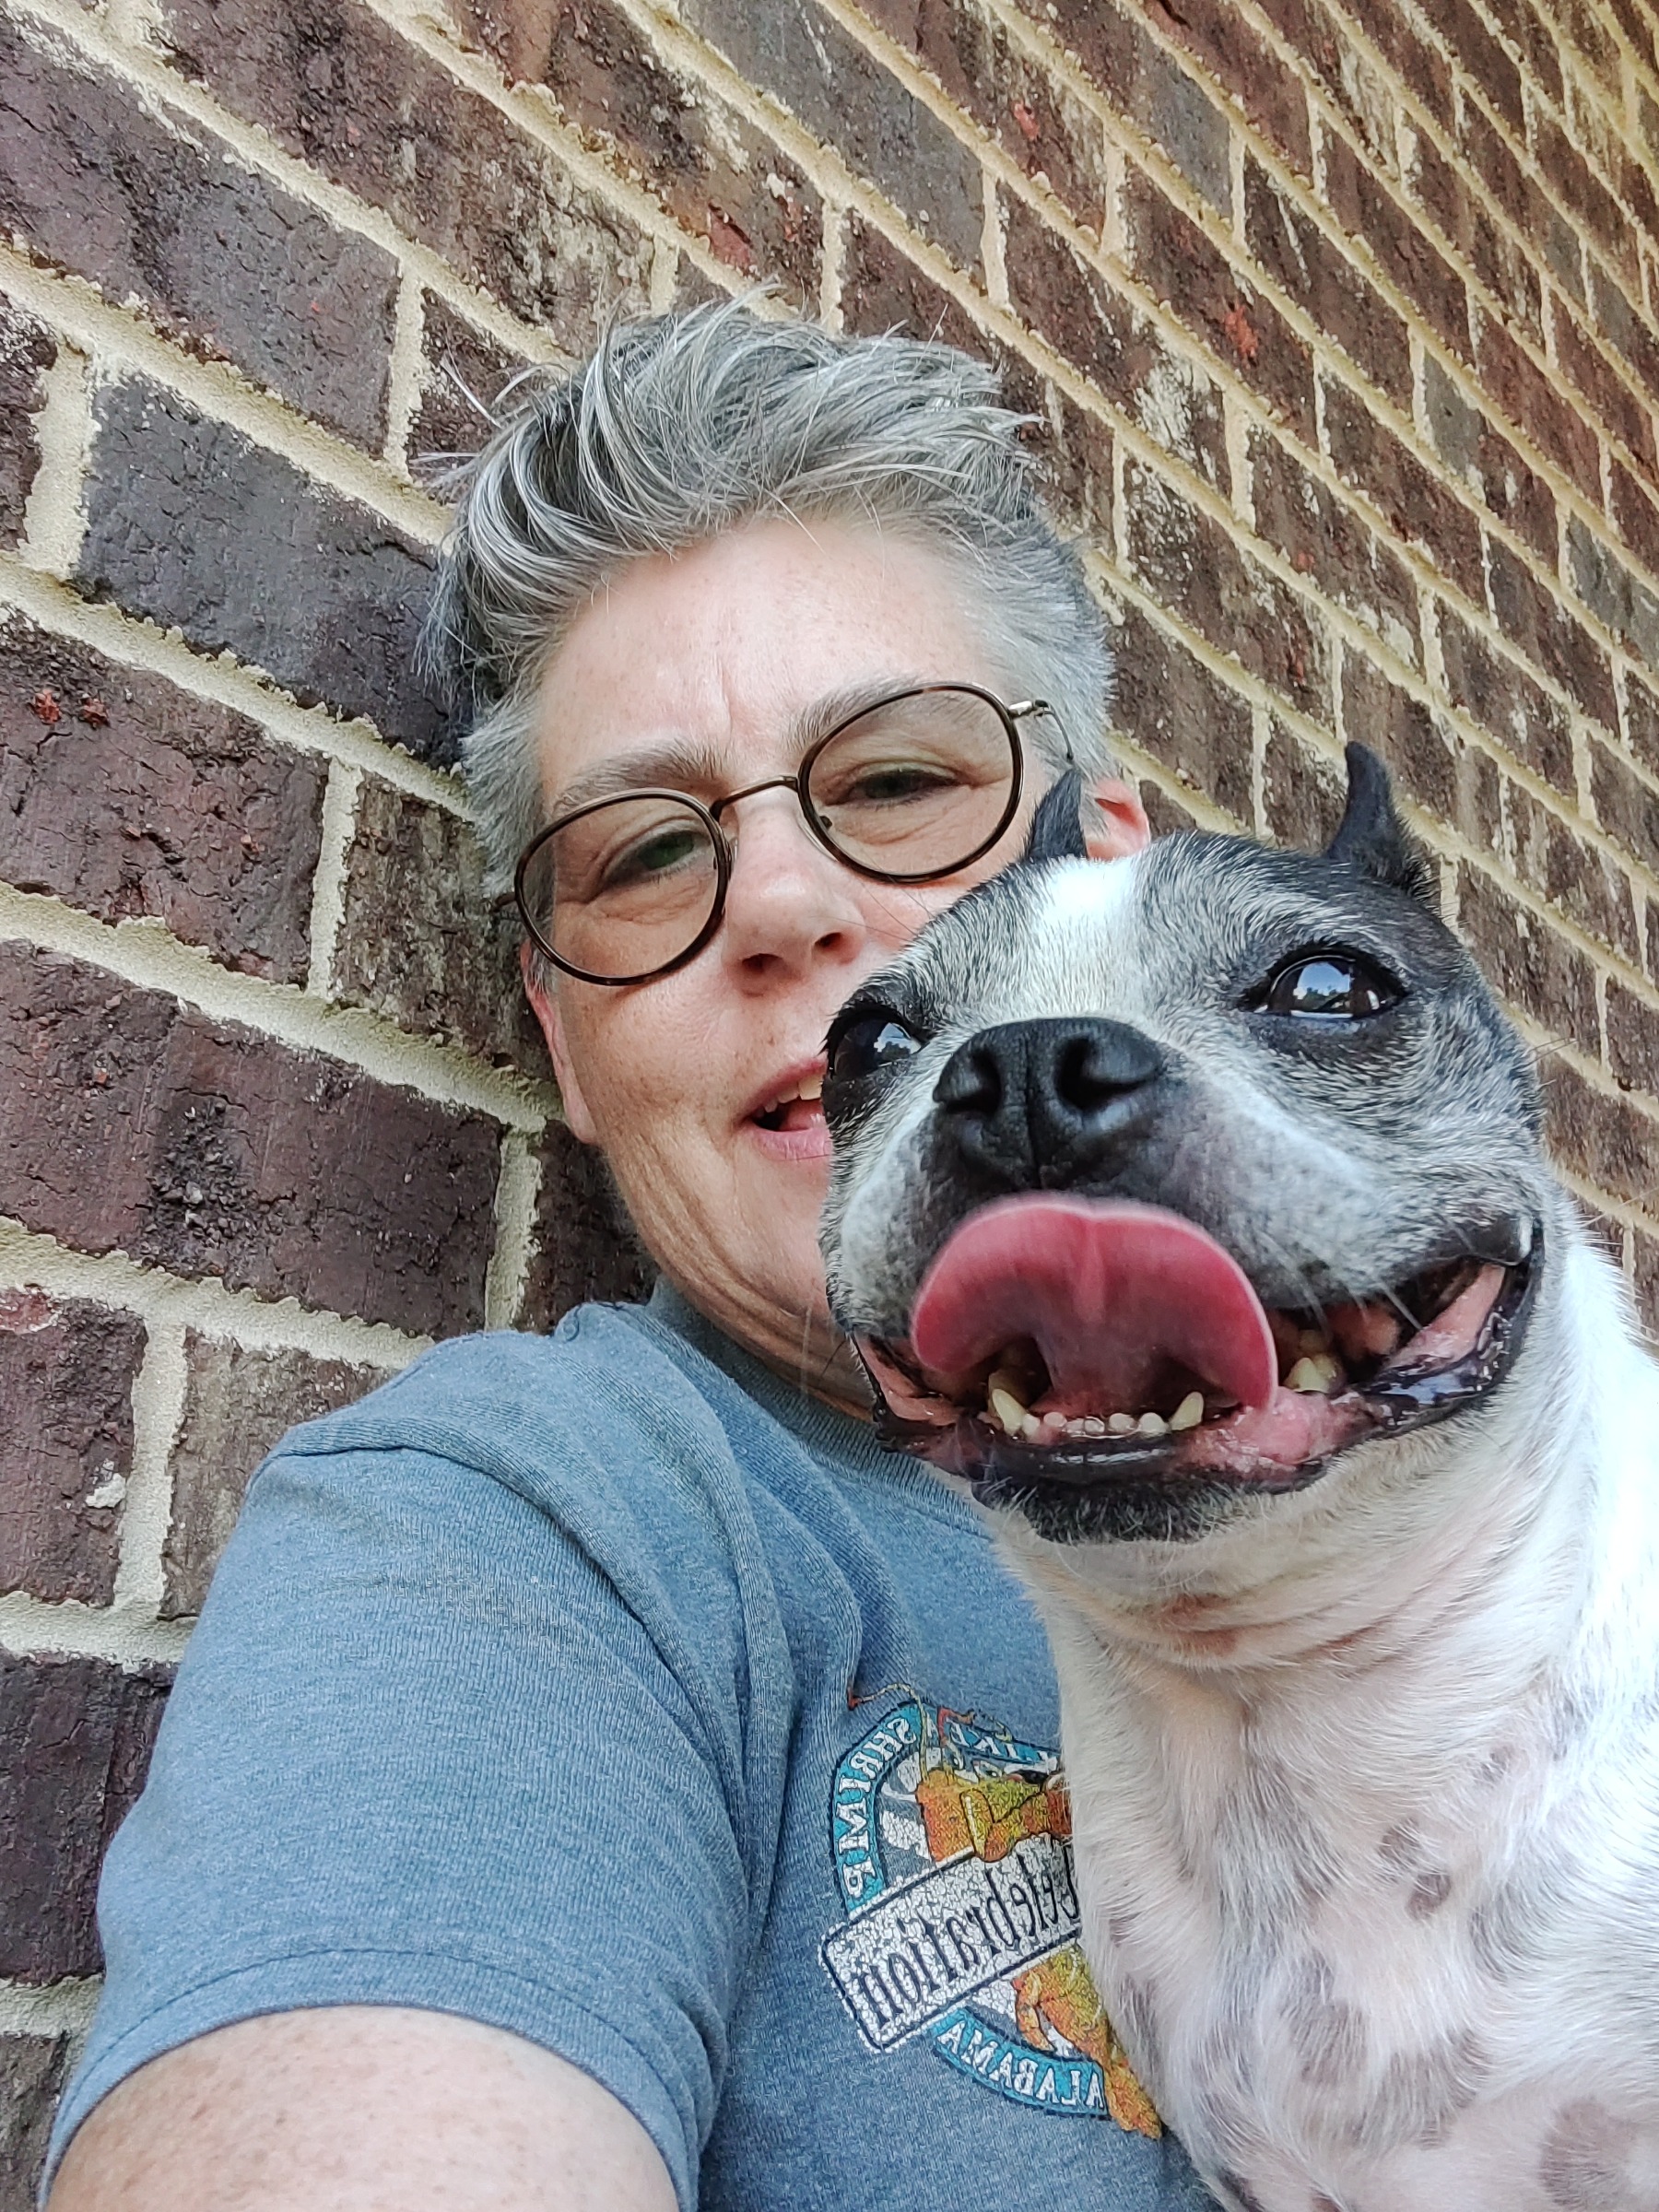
{"points": [[1096, 1066], [971, 1083]]}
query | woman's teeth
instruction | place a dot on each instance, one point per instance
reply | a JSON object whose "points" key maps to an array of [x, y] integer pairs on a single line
{"points": [[775, 1113]]}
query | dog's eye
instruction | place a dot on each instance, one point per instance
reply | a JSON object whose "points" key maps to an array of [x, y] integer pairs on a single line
{"points": [[1328, 986], [873, 1038]]}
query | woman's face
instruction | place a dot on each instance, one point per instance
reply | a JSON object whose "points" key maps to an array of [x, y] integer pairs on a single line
{"points": [[701, 1087]]}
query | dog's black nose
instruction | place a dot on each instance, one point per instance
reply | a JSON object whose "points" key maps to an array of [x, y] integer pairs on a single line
{"points": [[1037, 1103]]}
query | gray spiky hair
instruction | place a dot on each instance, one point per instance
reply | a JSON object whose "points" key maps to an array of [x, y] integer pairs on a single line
{"points": [[684, 425]]}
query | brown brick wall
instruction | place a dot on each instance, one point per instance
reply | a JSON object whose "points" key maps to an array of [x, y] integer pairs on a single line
{"points": [[1339, 320]]}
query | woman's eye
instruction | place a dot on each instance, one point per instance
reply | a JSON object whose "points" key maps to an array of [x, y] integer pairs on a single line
{"points": [[869, 1041], [1329, 986]]}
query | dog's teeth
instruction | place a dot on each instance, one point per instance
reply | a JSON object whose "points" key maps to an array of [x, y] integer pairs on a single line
{"points": [[1190, 1411], [1055, 1421], [1152, 1424], [1032, 1429], [1313, 1376], [1091, 1424], [1120, 1424], [1008, 1408]]}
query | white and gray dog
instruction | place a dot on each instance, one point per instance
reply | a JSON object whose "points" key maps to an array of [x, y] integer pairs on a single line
{"points": [[1192, 1211]]}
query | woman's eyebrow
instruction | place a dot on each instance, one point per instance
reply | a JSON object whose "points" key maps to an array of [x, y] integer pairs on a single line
{"points": [[686, 764]]}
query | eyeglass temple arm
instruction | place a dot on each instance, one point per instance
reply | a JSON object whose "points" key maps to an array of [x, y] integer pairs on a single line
{"points": [[1023, 707]]}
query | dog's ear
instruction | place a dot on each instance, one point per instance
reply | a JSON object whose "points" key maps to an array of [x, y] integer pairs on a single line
{"points": [[1371, 836], [1057, 825]]}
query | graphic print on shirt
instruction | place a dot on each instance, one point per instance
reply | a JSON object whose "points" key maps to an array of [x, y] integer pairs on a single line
{"points": [[952, 1844]]}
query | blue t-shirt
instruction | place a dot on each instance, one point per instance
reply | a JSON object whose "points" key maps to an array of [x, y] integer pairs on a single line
{"points": [[601, 1688]]}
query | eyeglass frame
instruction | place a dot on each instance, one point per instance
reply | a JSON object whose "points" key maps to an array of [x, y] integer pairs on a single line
{"points": [[722, 840]]}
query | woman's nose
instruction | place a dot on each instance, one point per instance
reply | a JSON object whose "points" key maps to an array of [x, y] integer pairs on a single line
{"points": [[789, 900]]}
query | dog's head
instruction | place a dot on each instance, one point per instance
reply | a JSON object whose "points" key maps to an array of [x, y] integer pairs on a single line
{"points": [[1162, 1185]]}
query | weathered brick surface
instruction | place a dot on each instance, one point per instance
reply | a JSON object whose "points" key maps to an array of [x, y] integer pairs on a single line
{"points": [[1526, 961], [882, 288], [34, 2069], [75, 1737], [1484, 245], [1610, 398], [126, 1121], [239, 1403], [720, 177], [1555, 641], [96, 183], [1571, 873], [1321, 536], [1420, 509], [462, 374], [1607, 1140], [67, 1374], [127, 797], [323, 594], [1483, 458], [1612, 591], [1172, 707], [1500, 695], [583, 1244], [26, 351], [1452, 779], [804, 58], [1627, 807], [1632, 1040], [339, 86], [1302, 792], [1399, 246], [1286, 241], [421, 943]]}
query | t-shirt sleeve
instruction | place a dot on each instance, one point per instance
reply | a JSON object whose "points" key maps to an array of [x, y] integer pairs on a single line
{"points": [[437, 1744]]}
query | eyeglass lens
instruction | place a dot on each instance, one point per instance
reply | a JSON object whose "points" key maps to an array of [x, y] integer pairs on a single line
{"points": [[913, 788]]}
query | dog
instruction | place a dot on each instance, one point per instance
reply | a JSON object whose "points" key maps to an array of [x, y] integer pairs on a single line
{"points": [[1191, 1211]]}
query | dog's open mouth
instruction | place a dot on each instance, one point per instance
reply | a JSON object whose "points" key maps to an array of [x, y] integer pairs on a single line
{"points": [[1082, 1342]]}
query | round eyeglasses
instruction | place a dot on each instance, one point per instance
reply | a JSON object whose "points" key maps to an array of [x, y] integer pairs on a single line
{"points": [[624, 889]]}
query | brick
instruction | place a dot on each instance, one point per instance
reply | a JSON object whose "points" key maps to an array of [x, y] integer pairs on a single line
{"points": [[1520, 23], [1579, 190], [1180, 265], [67, 1375], [1168, 703], [1644, 1272], [1632, 1040], [1501, 262], [585, 1246], [239, 1404], [1266, 93], [1165, 104], [1429, 759], [1417, 506], [34, 2069], [1421, 67], [1533, 618], [1613, 314], [1534, 403], [713, 171], [1587, 31], [882, 288], [1538, 219], [1366, 209], [1613, 402], [26, 351], [1295, 253], [343, 91], [1513, 493], [1472, 43], [462, 374], [77, 1735], [1165, 816], [1193, 567], [421, 943], [192, 524], [1075, 307], [1500, 695], [1627, 808], [127, 1122], [1035, 118], [1608, 588], [1576, 877], [96, 183], [1527, 962], [1312, 32], [125, 797], [1642, 721], [1324, 538], [1303, 794], [837, 89], [1635, 516], [1604, 1139]]}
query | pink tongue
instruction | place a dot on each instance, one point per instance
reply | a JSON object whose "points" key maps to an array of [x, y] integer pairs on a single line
{"points": [[1111, 1293]]}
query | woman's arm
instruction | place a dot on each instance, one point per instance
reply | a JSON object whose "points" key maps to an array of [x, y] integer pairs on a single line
{"points": [[361, 2109]]}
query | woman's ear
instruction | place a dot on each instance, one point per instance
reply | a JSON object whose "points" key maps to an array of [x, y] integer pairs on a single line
{"points": [[1116, 824], [539, 990]]}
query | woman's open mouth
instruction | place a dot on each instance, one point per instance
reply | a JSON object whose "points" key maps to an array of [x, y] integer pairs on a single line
{"points": [[1082, 1342]]}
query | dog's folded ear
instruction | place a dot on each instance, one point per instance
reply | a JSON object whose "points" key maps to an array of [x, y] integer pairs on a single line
{"points": [[1057, 825], [1371, 836]]}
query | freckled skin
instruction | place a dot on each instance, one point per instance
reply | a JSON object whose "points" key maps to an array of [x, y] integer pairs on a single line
{"points": [[1365, 1773]]}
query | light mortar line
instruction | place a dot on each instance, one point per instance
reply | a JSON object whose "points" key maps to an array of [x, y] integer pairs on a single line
{"points": [[145, 953], [328, 885], [158, 1409], [992, 246], [664, 276], [404, 372], [49, 2007], [832, 256], [225, 681], [54, 519], [162, 1301], [517, 1186], [124, 342], [125, 1638]]}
